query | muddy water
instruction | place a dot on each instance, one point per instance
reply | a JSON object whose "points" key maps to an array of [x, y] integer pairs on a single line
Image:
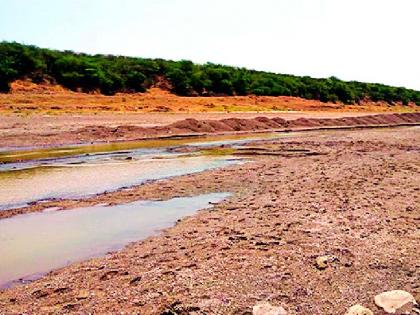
{"points": [[74, 172], [28, 154], [33, 244], [18, 188]]}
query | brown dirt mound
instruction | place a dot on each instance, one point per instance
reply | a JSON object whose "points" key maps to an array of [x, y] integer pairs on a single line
{"points": [[269, 122], [282, 122], [245, 124], [264, 123], [95, 133], [304, 122], [194, 125], [191, 125]]}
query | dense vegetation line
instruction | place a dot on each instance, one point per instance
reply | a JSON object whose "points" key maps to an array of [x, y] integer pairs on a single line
{"points": [[110, 74]]}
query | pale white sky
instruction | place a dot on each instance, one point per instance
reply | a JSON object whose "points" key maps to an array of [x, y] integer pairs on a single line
{"points": [[365, 40]]}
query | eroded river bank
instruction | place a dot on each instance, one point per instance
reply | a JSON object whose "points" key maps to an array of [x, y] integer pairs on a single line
{"points": [[353, 195]]}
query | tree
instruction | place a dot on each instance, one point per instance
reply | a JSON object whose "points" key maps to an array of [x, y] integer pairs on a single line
{"points": [[111, 74], [180, 82]]}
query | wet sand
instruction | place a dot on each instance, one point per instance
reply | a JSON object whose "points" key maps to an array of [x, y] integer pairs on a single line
{"points": [[353, 195]]}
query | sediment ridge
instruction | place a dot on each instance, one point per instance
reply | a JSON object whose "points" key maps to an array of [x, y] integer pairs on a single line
{"points": [[194, 127]]}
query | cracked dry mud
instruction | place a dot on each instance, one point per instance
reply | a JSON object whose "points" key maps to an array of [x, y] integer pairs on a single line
{"points": [[356, 202]]}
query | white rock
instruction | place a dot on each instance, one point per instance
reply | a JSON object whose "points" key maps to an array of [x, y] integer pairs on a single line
{"points": [[265, 308], [359, 310], [395, 301]]}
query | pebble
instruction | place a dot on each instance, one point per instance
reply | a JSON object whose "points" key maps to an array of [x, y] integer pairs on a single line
{"points": [[135, 280], [358, 310], [395, 302], [39, 294], [265, 308], [82, 294], [321, 262]]}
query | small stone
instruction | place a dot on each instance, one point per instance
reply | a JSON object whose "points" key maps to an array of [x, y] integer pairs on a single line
{"points": [[265, 308], [62, 289], [108, 275], [359, 310], [39, 294], [71, 306], [135, 280], [348, 264], [395, 302], [82, 294], [178, 308], [321, 262]]}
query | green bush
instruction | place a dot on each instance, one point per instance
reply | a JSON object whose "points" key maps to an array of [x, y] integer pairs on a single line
{"points": [[112, 74]]}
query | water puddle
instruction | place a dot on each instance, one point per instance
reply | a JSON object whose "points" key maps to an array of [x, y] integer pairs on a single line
{"points": [[20, 187], [33, 244]]}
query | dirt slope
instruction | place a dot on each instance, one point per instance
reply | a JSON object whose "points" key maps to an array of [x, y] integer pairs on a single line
{"points": [[29, 97]]}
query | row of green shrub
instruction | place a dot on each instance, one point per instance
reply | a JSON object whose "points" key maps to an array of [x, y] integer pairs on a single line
{"points": [[110, 74]]}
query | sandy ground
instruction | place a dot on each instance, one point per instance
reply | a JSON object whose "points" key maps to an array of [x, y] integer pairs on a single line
{"points": [[352, 195]]}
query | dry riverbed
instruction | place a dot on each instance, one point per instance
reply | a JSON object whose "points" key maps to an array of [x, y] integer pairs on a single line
{"points": [[351, 195]]}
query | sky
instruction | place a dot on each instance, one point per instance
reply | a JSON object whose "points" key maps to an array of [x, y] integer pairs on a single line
{"points": [[364, 40]]}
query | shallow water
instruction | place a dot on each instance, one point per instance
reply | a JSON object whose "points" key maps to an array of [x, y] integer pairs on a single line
{"points": [[137, 147], [36, 243], [19, 187], [79, 171]]}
